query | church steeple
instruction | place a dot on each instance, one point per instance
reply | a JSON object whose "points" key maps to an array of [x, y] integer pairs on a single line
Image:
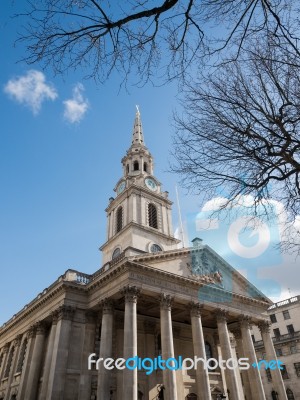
{"points": [[137, 134], [139, 218]]}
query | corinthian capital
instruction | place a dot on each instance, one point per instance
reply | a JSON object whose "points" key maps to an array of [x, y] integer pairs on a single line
{"points": [[264, 326], [166, 301], [222, 315], [196, 309], [131, 293], [107, 306]]}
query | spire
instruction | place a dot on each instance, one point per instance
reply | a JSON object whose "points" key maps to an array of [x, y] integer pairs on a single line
{"points": [[137, 134]]}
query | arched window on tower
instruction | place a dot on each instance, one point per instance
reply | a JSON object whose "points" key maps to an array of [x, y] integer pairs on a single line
{"points": [[145, 167], [127, 168], [119, 219], [152, 216], [136, 166]]}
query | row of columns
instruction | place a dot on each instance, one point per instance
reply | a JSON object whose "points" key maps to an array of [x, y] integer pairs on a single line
{"points": [[56, 356], [233, 380]]}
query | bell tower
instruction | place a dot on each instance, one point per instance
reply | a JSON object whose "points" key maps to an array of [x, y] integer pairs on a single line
{"points": [[139, 218]]}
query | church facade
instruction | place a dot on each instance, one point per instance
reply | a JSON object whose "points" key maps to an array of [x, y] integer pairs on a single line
{"points": [[151, 302]]}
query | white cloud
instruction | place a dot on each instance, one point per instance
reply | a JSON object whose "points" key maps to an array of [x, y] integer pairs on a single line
{"points": [[77, 106], [31, 89]]}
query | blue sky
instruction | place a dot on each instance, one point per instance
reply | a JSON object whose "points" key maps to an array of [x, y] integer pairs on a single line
{"points": [[59, 161]]}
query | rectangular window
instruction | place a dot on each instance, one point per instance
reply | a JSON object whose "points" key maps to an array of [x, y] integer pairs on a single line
{"points": [[284, 372], [276, 332], [290, 329], [278, 352], [286, 314], [273, 318], [293, 349], [297, 368]]}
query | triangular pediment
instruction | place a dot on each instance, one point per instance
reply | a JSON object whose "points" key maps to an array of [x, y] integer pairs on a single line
{"points": [[205, 266]]}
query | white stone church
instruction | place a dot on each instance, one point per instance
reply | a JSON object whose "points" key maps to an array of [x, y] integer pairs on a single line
{"points": [[150, 299]]}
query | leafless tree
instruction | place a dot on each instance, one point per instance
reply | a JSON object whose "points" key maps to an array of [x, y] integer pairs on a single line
{"points": [[149, 39], [240, 129]]}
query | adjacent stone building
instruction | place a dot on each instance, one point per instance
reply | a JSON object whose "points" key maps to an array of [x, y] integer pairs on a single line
{"points": [[151, 298], [285, 330]]}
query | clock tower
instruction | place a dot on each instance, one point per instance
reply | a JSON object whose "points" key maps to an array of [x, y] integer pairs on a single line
{"points": [[139, 218]]}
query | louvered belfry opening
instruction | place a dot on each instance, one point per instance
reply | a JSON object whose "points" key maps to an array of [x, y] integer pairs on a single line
{"points": [[119, 221], [152, 216]]}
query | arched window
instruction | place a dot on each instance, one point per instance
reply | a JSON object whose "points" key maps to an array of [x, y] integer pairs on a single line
{"points": [[116, 253], [208, 350], [155, 248], [290, 394], [119, 219], [192, 396], [22, 356], [9, 361], [152, 216], [136, 166], [145, 167], [127, 168], [140, 395]]}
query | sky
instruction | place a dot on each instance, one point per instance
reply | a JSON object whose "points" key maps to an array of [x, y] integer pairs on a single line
{"points": [[62, 140]]}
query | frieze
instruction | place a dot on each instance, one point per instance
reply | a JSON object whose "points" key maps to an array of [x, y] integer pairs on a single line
{"points": [[158, 282]]}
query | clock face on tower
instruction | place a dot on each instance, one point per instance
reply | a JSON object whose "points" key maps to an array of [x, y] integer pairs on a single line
{"points": [[121, 187], [151, 184]]}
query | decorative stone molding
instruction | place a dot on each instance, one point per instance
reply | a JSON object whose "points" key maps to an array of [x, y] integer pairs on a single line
{"points": [[264, 326], [18, 340], [54, 317], [107, 306], [245, 321], [5, 348], [131, 293], [40, 328], [31, 332], [66, 312], [221, 315], [196, 309], [166, 301], [149, 327]]}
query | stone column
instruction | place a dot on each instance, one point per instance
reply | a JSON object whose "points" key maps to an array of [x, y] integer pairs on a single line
{"points": [[237, 371], [14, 360], [257, 389], [30, 336], [36, 362], [224, 338], [219, 352], [130, 383], [244, 373], [202, 379], [167, 346], [104, 374], [149, 327], [119, 326], [59, 361], [4, 360], [48, 358], [271, 355], [85, 384]]}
